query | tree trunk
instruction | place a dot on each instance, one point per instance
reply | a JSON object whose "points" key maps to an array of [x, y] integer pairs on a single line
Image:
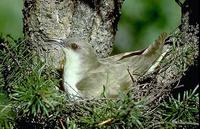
{"points": [[92, 20]]}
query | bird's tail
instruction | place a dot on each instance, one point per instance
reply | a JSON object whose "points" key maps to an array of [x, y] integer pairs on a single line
{"points": [[156, 46]]}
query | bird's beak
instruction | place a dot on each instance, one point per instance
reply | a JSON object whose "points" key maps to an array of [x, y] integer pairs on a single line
{"points": [[59, 42]]}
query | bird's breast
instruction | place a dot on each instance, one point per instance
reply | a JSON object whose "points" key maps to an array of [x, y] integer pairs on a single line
{"points": [[72, 73]]}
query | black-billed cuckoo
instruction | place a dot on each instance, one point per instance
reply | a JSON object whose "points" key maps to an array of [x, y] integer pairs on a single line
{"points": [[86, 76]]}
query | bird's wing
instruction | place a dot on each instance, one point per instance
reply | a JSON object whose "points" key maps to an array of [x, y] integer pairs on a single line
{"points": [[92, 85], [120, 56], [113, 68], [100, 84]]}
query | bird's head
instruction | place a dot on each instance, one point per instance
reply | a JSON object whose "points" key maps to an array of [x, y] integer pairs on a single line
{"points": [[76, 46], [78, 49]]}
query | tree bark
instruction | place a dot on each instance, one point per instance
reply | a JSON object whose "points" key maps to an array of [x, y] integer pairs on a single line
{"points": [[92, 20]]}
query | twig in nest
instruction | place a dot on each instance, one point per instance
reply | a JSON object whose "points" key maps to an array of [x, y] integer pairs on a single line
{"points": [[108, 121], [60, 120], [132, 78]]}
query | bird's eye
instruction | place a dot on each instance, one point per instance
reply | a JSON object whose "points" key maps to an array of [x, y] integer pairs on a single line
{"points": [[74, 46]]}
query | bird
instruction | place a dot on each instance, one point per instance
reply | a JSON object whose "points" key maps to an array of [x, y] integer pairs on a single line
{"points": [[85, 76]]}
